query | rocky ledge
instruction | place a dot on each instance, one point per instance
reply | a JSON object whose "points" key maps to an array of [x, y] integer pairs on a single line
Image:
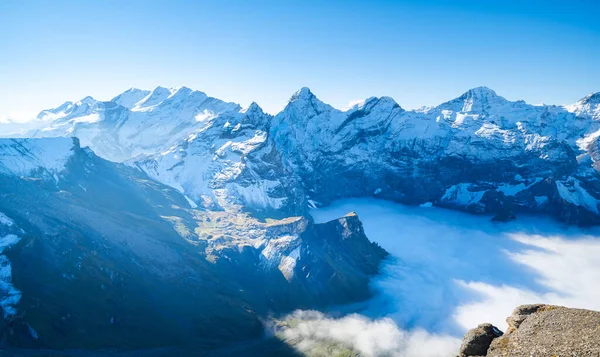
{"points": [[537, 330]]}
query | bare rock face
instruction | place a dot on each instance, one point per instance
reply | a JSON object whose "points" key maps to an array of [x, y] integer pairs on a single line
{"points": [[547, 330], [477, 341], [540, 330]]}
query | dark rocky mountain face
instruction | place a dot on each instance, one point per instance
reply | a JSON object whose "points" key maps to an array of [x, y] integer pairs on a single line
{"points": [[109, 258]]}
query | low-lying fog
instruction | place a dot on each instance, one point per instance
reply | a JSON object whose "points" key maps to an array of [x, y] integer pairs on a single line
{"points": [[451, 271]]}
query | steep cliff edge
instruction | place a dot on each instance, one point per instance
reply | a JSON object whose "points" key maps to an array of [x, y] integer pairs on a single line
{"points": [[538, 330]]}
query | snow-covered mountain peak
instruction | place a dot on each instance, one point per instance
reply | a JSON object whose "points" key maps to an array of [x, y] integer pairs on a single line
{"points": [[593, 98], [303, 93], [253, 108], [587, 107], [481, 92], [162, 98], [182, 91], [255, 116], [87, 101], [185, 93], [69, 110], [305, 104], [478, 100], [157, 96], [50, 113], [131, 97]]}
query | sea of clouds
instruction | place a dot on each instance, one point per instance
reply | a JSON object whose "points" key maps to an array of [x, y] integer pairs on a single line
{"points": [[450, 271]]}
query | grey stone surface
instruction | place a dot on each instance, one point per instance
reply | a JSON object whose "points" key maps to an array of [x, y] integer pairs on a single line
{"points": [[477, 341], [540, 330]]}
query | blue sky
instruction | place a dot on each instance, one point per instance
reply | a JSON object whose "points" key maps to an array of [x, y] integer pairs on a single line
{"points": [[418, 52]]}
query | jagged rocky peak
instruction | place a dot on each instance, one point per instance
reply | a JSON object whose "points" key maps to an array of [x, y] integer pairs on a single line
{"points": [[480, 92], [586, 107], [303, 93], [592, 99], [254, 115], [303, 107], [304, 100], [89, 100], [253, 108]]}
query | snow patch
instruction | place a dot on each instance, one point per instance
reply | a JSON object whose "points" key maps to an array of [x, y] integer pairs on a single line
{"points": [[512, 190], [571, 191], [288, 264], [461, 195], [5, 221], [205, 115], [192, 203]]}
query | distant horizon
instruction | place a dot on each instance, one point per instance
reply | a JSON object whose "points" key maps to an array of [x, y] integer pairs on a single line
{"points": [[420, 53]]}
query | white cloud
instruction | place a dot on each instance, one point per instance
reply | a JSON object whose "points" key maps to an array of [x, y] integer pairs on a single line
{"points": [[567, 269], [355, 103], [17, 117], [380, 337]]}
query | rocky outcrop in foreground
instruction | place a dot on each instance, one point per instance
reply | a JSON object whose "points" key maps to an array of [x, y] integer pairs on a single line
{"points": [[538, 330]]}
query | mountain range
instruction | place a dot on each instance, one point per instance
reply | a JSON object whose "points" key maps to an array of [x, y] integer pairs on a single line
{"points": [[478, 152], [160, 216]]}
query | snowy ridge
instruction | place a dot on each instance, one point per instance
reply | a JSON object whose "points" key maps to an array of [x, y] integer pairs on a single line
{"points": [[136, 122]]}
